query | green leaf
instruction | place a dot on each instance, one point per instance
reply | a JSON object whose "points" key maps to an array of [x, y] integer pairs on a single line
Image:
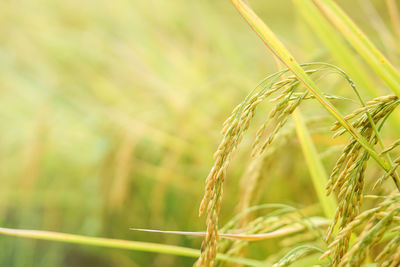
{"points": [[122, 244], [378, 62]]}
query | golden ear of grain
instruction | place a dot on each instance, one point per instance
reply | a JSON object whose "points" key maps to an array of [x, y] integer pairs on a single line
{"points": [[349, 179]]}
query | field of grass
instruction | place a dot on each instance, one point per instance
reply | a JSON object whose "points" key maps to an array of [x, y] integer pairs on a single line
{"points": [[111, 112]]}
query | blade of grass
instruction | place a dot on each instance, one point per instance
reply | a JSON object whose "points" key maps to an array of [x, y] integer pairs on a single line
{"points": [[280, 51], [361, 44], [122, 244], [314, 164], [339, 50], [295, 228]]}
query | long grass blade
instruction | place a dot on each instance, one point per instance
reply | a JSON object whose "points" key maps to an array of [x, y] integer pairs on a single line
{"points": [[122, 244], [337, 47], [361, 44], [314, 164], [317, 222], [341, 52]]}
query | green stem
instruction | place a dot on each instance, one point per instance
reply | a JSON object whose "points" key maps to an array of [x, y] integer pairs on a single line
{"points": [[337, 47], [122, 244], [317, 171], [361, 44]]}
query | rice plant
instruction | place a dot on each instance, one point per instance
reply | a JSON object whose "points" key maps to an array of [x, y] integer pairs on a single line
{"points": [[110, 117], [347, 177]]}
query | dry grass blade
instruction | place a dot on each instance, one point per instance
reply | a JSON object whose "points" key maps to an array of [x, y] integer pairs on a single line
{"points": [[281, 218], [284, 231]]}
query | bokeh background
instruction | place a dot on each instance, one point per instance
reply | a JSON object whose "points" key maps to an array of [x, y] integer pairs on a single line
{"points": [[110, 112]]}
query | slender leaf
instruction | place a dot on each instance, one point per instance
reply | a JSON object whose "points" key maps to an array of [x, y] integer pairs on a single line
{"points": [[361, 44], [337, 47], [122, 244], [314, 164]]}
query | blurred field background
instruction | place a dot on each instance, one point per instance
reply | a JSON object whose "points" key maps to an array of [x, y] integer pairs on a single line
{"points": [[110, 112]]}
